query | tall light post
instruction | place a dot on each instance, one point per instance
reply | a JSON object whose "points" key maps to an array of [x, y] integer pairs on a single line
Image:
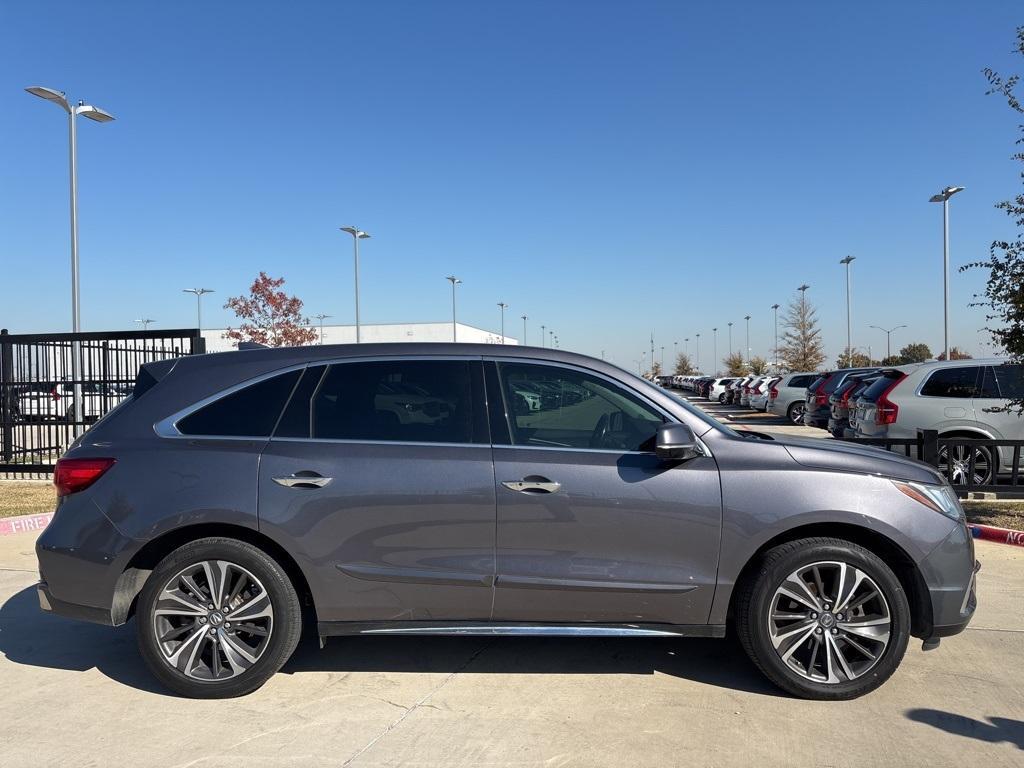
{"points": [[698, 353], [943, 197], [552, 336], [357, 235], [542, 329], [686, 346], [849, 343], [663, 359], [888, 336], [144, 321], [199, 292], [503, 306], [775, 355], [675, 351], [100, 116], [747, 318], [525, 318], [454, 281], [714, 349], [730, 339], [321, 317]]}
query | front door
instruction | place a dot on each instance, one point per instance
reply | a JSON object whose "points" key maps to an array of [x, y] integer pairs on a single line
{"points": [[592, 526], [379, 477]]}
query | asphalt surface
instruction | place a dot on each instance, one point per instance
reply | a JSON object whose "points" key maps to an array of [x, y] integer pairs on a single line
{"points": [[78, 694]]}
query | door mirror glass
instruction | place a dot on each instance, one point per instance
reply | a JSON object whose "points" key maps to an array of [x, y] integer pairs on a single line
{"points": [[676, 441]]}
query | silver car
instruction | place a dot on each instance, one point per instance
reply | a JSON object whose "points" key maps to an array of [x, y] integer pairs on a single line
{"points": [[235, 500], [957, 398], [788, 397]]}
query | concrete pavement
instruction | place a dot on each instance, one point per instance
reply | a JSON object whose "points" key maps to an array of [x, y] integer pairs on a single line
{"points": [[77, 694], [744, 418]]}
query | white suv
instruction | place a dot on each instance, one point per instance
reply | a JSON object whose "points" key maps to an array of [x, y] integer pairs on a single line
{"points": [[787, 396]]}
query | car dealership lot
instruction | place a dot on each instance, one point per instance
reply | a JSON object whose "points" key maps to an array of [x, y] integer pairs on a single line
{"points": [[79, 694], [738, 417]]}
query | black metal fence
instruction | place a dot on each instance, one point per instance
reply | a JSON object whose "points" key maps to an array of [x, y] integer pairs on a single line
{"points": [[53, 386], [970, 464]]}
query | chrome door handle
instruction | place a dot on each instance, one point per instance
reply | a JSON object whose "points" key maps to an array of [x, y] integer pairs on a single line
{"points": [[303, 480], [528, 485]]}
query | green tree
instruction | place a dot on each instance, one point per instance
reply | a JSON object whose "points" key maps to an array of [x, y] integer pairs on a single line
{"points": [[758, 365], [854, 360], [955, 353], [801, 347], [916, 352], [734, 364], [892, 360], [1004, 291], [684, 366]]}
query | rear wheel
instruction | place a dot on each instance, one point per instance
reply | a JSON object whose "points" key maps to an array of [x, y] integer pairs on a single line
{"points": [[961, 457], [721, 398], [795, 413], [217, 618], [824, 619]]}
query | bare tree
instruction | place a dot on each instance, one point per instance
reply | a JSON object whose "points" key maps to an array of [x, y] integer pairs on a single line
{"points": [[734, 363], [758, 365], [684, 366]]}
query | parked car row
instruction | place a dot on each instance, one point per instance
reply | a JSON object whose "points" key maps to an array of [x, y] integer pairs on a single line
{"points": [[959, 398], [56, 401]]}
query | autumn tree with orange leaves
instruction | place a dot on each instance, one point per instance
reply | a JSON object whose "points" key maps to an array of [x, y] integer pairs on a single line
{"points": [[270, 316]]}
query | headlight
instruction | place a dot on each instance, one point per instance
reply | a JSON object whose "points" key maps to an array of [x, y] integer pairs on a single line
{"points": [[938, 497]]}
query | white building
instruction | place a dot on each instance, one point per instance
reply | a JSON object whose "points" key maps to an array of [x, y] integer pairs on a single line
{"points": [[380, 333]]}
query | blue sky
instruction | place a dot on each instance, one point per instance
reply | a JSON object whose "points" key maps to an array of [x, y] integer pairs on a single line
{"points": [[610, 169]]}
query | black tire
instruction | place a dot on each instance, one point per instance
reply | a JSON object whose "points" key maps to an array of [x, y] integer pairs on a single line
{"points": [[754, 600], [793, 410], [721, 398], [283, 637]]}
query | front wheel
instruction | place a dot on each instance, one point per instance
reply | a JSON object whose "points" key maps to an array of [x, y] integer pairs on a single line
{"points": [[823, 619], [217, 618], [721, 398]]}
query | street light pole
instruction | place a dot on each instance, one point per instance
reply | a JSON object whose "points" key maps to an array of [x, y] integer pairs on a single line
{"points": [[698, 353], [943, 197], [503, 306], [321, 317], [730, 339], [849, 343], [542, 329], [145, 321], [714, 349], [888, 335], [357, 235], [775, 356], [199, 292], [100, 116], [454, 281], [525, 318], [747, 318]]}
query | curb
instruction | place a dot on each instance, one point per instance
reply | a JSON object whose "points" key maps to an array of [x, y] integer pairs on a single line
{"points": [[991, 533], [24, 523]]}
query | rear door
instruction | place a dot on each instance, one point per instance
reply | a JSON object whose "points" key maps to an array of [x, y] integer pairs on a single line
{"points": [[592, 526], [1001, 383], [379, 476]]}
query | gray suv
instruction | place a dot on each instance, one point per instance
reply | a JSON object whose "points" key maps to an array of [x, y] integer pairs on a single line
{"points": [[425, 489]]}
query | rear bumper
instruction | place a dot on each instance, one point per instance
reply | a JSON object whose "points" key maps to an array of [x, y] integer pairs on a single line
{"points": [[58, 607], [816, 418]]}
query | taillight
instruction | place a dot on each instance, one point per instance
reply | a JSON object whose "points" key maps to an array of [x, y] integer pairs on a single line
{"points": [[845, 399], [773, 393], [886, 411], [74, 475], [820, 395]]}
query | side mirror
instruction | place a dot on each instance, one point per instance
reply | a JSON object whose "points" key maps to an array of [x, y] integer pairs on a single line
{"points": [[676, 441]]}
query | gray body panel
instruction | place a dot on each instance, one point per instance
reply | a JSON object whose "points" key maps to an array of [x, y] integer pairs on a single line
{"points": [[419, 533]]}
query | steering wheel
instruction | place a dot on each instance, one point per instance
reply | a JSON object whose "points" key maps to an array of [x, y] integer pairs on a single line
{"points": [[600, 433]]}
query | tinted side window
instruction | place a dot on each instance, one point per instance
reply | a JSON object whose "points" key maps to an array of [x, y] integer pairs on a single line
{"points": [[951, 382], [428, 401], [801, 381], [556, 407], [250, 412], [295, 419], [882, 383], [1003, 381]]}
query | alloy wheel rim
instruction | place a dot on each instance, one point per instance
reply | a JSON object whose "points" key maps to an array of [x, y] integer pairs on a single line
{"points": [[798, 414], [212, 621], [829, 622], [961, 460]]}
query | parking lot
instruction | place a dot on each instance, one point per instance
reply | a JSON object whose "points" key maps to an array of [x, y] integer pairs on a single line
{"points": [[77, 694], [745, 418]]}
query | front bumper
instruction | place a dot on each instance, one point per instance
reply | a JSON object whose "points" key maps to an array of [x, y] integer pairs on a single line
{"points": [[950, 573]]}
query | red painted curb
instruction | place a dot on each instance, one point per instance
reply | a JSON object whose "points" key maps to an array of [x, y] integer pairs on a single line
{"points": [[24, 523], [1000, 535]]}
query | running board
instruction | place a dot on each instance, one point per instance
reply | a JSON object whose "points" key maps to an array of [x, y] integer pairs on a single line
{"points": [[516, 629]]}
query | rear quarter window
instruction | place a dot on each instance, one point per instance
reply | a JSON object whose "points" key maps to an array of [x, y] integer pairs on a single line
{"points": [[248, 412]]}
